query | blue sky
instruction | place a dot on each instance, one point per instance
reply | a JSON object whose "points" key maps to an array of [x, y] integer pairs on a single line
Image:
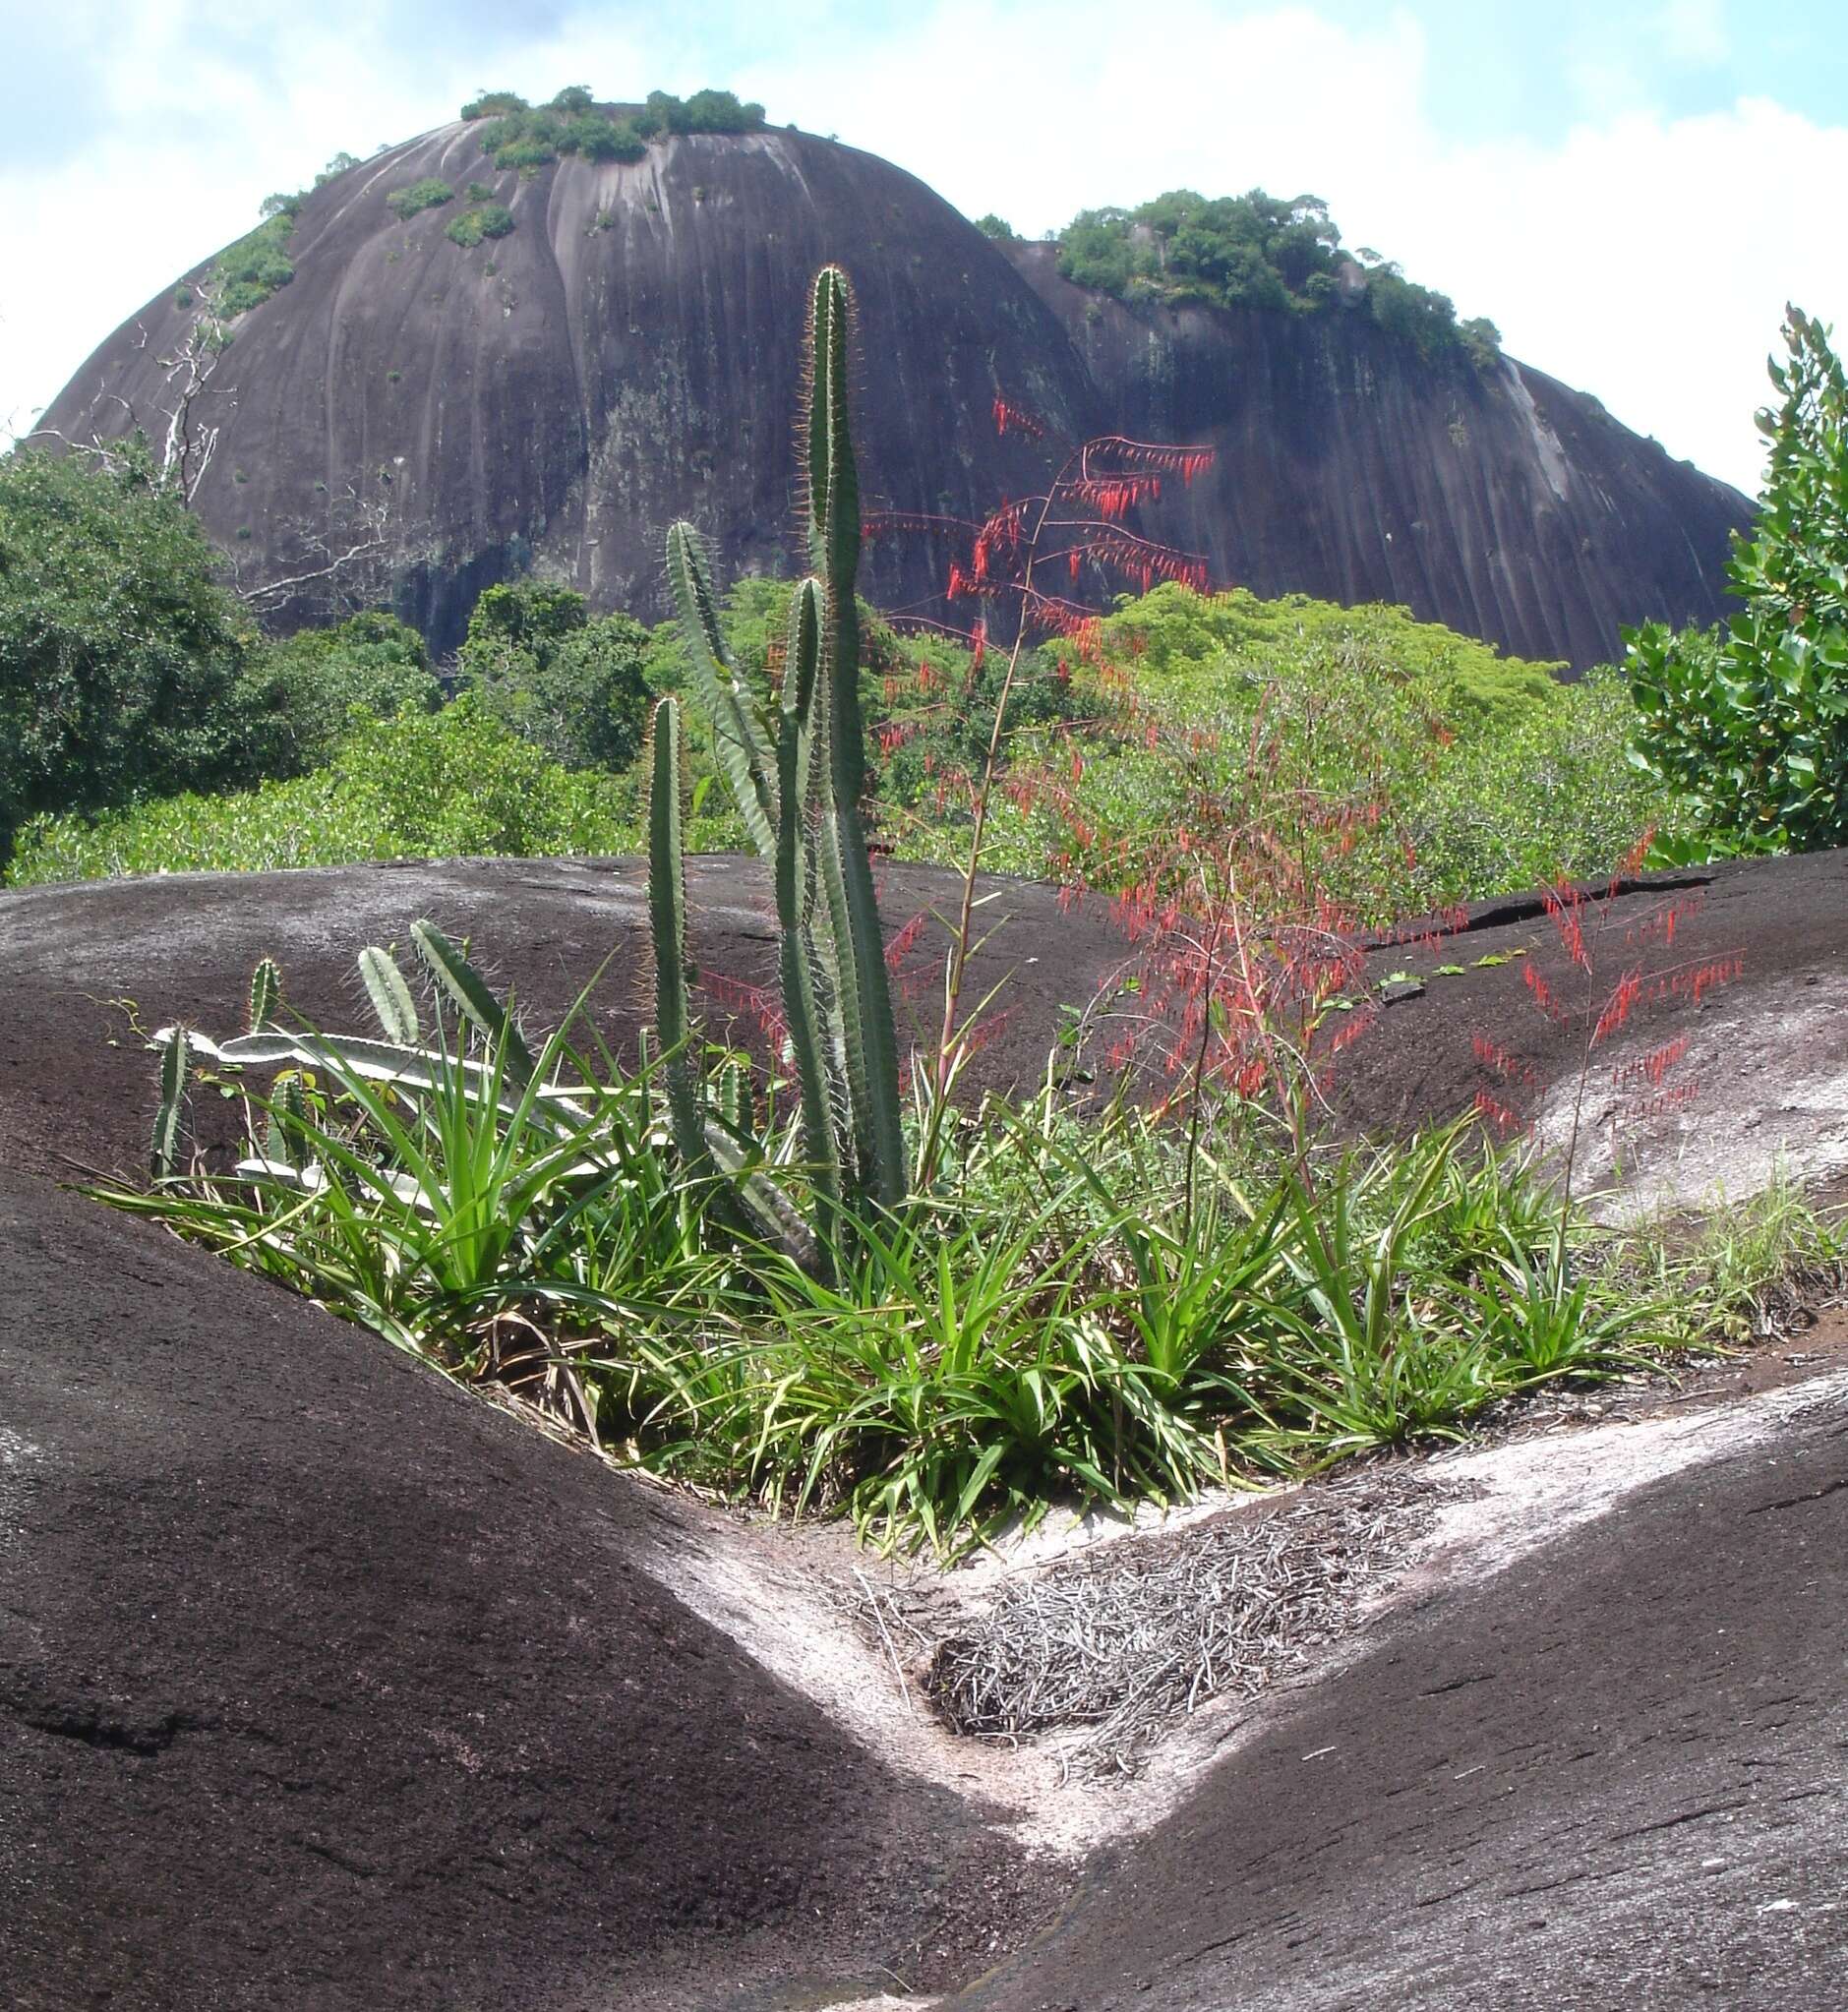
{"points": [[1631, 189], [1535, 70]]}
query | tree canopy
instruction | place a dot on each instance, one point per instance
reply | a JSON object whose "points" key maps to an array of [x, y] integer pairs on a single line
{"points": [[537, 661], [120, 654], [1257, 251], [1750, 723]]}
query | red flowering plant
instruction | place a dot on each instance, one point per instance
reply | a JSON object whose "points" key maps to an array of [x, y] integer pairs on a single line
{"points": [[1246, 973], [1022, 571], [1619, 965]]}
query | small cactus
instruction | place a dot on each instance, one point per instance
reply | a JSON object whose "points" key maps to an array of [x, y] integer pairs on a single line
{"points": [[265, 994], [289, 1120]]}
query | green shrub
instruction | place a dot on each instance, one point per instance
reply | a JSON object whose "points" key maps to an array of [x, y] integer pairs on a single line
{"points": [[599, 139], [428, 193], [490, 104], [706, 111], [249, 272], [1255, 251], [119, 653], [416, 786], [1749, 724], [1467, 774], [484, 220], [1482, 341], [719, 111], [997, 228], [527, 154], [479, 192], [574, 97]]}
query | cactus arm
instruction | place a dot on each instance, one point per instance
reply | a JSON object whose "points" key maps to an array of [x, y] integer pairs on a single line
{"points": [[667, 922], [795, 899], [469, 989], [742, 746], [390, 996], [175, 1064], [834, 531]]}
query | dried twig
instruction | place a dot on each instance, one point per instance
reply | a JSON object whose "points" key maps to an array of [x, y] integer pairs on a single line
{"points": [[1142, 1632]]}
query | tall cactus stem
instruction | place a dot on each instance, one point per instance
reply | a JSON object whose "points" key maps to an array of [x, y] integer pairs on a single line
{"points": [[667, 922], [795, 905], [834, 533], [175, 1066]]}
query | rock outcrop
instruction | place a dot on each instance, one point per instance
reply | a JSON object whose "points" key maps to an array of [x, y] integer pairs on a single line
{"points": [[628, 353]]}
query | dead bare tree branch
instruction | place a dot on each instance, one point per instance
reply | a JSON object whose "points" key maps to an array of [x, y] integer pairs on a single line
{"points": [[367, 529], [187, 441]]}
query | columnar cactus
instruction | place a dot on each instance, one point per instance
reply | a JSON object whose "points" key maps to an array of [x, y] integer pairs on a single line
{"points": [[797, 789]]}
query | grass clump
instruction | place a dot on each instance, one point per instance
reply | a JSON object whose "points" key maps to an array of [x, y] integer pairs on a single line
{"points": [[1052, 1324]]}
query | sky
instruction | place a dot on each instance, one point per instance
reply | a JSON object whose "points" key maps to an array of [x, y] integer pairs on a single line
{"points": [[1632, 190]]}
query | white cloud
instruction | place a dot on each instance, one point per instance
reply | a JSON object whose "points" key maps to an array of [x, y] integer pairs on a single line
{"points": [[1641, 257]]}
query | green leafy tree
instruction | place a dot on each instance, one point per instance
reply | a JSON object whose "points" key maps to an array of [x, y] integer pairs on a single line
{"points": [[539, 663], [120, 654], [296, 696], [489, 105], [1749, 724], [1257, 251]]}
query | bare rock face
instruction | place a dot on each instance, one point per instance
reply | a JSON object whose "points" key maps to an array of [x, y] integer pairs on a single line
{"points": [[630, 353], [1499, 501]]}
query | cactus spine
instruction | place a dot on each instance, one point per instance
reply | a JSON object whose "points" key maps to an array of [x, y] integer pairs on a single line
{"points": [[798, 794]]}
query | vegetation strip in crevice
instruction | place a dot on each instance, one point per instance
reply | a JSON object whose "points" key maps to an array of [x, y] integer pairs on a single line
{"points": [[1118, 1645]]}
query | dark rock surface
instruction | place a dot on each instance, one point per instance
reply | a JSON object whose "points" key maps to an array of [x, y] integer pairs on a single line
{"points": [[326, 1688], [87, 964], [323, 1686], [1610, 1776], [1502, 503], [630, 354]]}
